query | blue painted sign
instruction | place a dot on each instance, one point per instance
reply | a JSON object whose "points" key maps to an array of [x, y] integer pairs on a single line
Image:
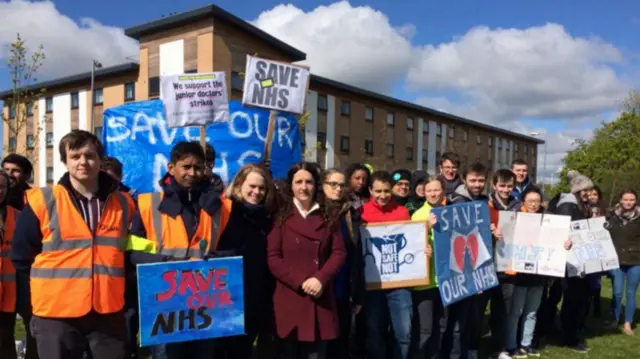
{"points": [[190, 300], [462, 241], [137, 134]]}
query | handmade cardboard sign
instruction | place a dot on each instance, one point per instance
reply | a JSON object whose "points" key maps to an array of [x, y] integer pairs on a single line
{"points": [[462, 238], [195, 99], [532, 243], [592, 250], [394, 254], [190, 300], [275, 85]]}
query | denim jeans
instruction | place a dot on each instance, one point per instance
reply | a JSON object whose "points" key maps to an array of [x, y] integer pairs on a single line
{"points": [[525, 302], [618, 276], [380, 305]]}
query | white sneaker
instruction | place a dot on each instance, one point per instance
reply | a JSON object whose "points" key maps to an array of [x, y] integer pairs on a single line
{"points": [[472, 354], [504, 355]]}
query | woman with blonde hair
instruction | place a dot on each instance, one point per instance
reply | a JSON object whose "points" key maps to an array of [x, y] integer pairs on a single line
{"points": [[250, 196]]}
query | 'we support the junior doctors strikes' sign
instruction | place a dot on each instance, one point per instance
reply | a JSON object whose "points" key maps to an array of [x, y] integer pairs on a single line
{"points": [[190, 300], [462, 239], [275, 85]]}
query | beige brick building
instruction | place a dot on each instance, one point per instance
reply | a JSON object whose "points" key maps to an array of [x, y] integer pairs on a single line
{"points": [[349, 123]]}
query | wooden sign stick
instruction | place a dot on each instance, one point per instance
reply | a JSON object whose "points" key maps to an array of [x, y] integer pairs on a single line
{"points": [[203, 141], [269, 139]]}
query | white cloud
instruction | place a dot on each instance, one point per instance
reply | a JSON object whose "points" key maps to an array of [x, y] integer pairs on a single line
{"points": [[69, 46], [356, 45], [507, 74]]}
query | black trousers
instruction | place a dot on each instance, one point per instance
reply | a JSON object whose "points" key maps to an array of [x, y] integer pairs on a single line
{"points": [[104, 334], [574, 307], [500, 298], [455, 329], [340, 348], [291, 348], [7, 336], [426, 331]]}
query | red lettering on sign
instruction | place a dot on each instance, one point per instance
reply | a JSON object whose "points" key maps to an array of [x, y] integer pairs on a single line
{"points": [[169, 277], [220, 283]]}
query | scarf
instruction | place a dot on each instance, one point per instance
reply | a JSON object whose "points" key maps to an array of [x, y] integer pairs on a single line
{"points": [[626, 216]]}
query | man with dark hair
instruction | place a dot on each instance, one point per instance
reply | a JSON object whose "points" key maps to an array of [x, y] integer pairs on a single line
{"points": [[449, 164], [474, 180], [69, 244], [113, 167], [210, 164], [19, 169], [521, 170], [166, 223]]}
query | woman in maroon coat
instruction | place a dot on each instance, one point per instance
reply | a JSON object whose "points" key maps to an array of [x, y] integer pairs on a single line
{"points": [[305, 252]]}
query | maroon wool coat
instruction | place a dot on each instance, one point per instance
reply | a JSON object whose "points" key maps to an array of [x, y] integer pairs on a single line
{"points": [[299, 249]]}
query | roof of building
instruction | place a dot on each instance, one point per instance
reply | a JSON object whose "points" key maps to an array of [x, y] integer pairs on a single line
{"points": [[115, 70], [395, 101], [186, 17], [77, 78]]}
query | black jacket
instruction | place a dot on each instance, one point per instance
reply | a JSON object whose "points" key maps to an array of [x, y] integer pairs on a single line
{"points": [[353, 246], [568, 205], [626, 239], [15, 197], [246, 236]]}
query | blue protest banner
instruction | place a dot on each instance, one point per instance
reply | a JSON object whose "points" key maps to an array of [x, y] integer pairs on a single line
{"points": [[190, 300], [137, 135], [463, 251]]}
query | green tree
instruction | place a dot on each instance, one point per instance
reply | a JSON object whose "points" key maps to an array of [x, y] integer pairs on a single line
{"points": [[611, 158], [23, 66]]}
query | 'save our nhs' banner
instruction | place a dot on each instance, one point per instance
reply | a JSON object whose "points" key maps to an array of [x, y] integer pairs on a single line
{"points": [[592, 250], [195, 99], [532, 243], [462, 240], [275, 85], [137, 134], [190, 300]]}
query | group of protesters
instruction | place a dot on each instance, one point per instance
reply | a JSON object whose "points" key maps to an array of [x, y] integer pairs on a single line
{"points": [[69, 253]]}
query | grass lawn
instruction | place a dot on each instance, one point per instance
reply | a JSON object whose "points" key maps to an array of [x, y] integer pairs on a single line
{"points": [[604, 344]]}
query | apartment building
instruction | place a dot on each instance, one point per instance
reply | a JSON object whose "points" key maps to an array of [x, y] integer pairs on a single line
{"points": [[346, 124]]}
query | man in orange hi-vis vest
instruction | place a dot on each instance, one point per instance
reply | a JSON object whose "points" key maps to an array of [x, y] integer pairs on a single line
{"points": [[184, 221], [70, 240]]}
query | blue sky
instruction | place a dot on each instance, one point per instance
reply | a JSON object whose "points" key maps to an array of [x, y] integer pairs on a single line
{"points": [[557, 67]]}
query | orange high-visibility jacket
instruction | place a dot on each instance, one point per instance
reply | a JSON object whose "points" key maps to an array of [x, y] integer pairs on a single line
{"points": [[78, 271], [173, 241], [7, 270]]}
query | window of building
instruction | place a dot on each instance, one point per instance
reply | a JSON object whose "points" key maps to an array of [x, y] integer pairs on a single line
{"points": [[98, 131], [192, 71], [322, 140], [533, 151], [490, 141], [389, 150], [425, 156], [438, 129], [97, 97], [438, 156], [345, 108], [410, 123], [465, 136], [425, 128], [154, 86], [344, 144], [526, 149], [452, 132], [12, 111], [303, 141], [49, 139], [12, 144], [30, 143], [323, 103], [130, 91], [507, 145], [48, 104], [478, 139], [75, 100], [368, 147], [237, 83], [391, 119], [30, 109], [368, 113], [409, 153], [517, 147], [499, 143], [49, 174]]}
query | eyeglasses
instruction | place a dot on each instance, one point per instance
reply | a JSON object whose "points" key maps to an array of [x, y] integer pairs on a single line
{"points": [[335, 185], [450, 168], [532, 202], [403, 184]]}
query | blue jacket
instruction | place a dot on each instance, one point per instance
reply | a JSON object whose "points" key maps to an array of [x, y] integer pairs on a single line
{"points": [[518, 190]]}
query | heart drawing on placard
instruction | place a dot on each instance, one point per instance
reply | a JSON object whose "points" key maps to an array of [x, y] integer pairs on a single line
{"points": [[460, 244]]}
